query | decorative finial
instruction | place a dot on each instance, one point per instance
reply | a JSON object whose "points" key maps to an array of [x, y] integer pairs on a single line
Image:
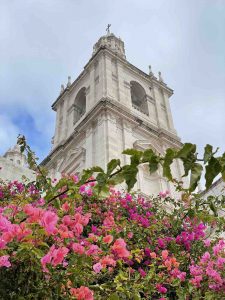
{"points": [[62, 88], [160, 77], [69, 81], [150, 70], [107, 29]]}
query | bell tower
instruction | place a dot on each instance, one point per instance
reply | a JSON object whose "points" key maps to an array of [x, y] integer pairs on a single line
{"points": [[112, 106]]}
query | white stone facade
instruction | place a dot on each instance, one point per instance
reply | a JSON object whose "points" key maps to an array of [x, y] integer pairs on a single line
{"points": [[110, 107], [217, 189]]}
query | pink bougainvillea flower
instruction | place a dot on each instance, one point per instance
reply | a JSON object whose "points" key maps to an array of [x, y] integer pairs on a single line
{"points": [[205, 258], [153, 255], [97, 267], [5, 224], [77, 248], [142, 272], [219, 247], [196, 281], [54, 257], [130, 235], [59, 255], [4, 261], [2, 243], [207, 242], [109, 222], [93, 250], [49, 221], [78, 229], [34, 213], [82, 293], [107, 261], [161, 289], [41, 201], [65, 206], [85, 219], [47, 258], [119, 248], [165, 254], [108, 239]]}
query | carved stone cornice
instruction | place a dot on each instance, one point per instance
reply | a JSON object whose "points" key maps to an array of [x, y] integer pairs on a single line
{"points": [[115, 107]]}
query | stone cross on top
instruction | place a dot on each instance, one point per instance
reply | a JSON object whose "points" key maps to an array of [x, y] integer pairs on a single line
{"points": [[107, 29]]}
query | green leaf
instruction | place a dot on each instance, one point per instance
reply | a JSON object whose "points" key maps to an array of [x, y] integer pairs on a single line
{"points": [[168, 159], [136, 296], [97, 169], [207, 153], [191, 213], [102, 180], [114, 297], [196, 171], [132, 152], [147, 155], [212, 170], [117, 179], [187, 155], [112, 165], [153, 160], [130, 172], [86, 175], [213, 208]]}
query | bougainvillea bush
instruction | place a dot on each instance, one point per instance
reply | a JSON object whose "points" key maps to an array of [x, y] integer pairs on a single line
{"points": [[122, 246], [81, 238]]}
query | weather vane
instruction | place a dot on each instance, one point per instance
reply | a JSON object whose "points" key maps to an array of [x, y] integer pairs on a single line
{"points": [[107, 29]]}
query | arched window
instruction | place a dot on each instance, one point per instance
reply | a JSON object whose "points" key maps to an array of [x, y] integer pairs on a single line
{"points": [[18, 162], [80, 104], [138, 97]]}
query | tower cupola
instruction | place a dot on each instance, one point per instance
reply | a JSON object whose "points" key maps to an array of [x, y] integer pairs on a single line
{"points": [[111, 42]]}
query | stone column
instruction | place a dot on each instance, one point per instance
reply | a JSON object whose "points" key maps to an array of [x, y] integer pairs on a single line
{"points": [[168, 112], [158, 107], [89, 147], [92, 86]]}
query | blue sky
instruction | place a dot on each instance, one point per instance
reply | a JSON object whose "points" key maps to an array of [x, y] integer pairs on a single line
{"points": [[42, 42]]}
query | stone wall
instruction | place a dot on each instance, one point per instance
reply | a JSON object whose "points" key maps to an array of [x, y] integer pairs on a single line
{"points": [[10, 172]]}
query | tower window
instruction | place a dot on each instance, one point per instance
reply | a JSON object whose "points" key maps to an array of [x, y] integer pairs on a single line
{"points": [[80, 105], [138, 97]]}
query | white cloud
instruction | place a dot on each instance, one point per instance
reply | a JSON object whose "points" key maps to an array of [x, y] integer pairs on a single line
{"points": [[8, 133]]}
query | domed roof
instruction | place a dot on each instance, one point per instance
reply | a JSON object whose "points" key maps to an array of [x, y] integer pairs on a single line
{"points": [[111, 42]]}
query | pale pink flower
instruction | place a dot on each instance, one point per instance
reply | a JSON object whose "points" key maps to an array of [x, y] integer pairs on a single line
{"points": [[4, 261], [97, 267]]}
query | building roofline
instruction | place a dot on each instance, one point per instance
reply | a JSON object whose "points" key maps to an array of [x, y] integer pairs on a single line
{"points": [[217, 182], [105, 103]]}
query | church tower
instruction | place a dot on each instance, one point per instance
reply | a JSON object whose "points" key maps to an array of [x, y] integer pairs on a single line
{"points": [[112, 106]]}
